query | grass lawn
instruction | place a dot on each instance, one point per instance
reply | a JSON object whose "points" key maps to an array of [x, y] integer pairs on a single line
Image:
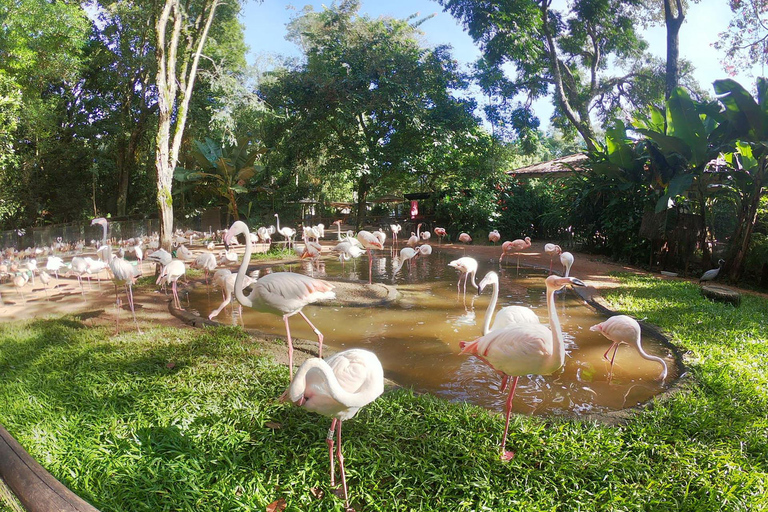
{"points": [[181, 419]]}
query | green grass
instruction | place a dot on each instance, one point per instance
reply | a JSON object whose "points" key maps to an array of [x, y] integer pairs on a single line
{"points": [[189, 420]]}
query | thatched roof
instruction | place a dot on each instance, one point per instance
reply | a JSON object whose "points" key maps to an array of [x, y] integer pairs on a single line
{"points": [[558, 166]]}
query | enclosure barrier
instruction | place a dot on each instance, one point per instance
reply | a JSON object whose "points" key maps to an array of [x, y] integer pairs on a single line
{"points": [[35, 488]]}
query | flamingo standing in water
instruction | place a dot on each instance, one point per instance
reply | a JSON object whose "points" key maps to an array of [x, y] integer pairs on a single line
{"points": [[280, 293], [523, 349], [406, 254], [552, 250], [225, 279], [439, 233], [509, 315], [566, 259], [396, 228], [515, 246], [337, 388], [369, 241], [625, 329], [466, 265]]}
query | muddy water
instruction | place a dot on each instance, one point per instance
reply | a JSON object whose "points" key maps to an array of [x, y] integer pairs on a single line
{"points": [[417, 338]]}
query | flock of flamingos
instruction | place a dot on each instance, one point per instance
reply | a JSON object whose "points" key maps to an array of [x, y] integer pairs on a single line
{"points": [[517, 344]]}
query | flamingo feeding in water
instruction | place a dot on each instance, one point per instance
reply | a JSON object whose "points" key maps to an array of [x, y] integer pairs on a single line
{"points": [[280, 293], [466, 265], [337, 388], [523, 349], [509, 315], [439, 233], [406, 254], [625, 329]]}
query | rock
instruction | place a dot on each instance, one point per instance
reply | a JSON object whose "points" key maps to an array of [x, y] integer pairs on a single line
{"points": [[721, 294]]}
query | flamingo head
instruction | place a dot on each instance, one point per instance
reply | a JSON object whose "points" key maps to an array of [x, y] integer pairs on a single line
{"points": [[558, 283], [490, 278]]}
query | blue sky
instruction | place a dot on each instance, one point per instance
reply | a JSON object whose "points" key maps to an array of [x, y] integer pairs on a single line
{"points": [[265, 34]]}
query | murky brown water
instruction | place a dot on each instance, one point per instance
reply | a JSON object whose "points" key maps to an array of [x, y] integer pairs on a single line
{"points": [[417, 338]]}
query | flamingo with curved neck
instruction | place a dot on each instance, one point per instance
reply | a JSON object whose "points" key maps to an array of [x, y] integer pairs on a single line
{"points": [[337, 388], [625, 329], [508, 315], [280, 293], [524, 349]]}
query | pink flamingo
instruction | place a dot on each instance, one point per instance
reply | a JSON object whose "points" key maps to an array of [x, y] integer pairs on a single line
{"points": [[369, 241], [509, 315], [465, 238], [171, 273], [625, 329], [466, 265], [494, 236], [523, 349], [552, 250], [515, 246], [337, 388], [396, 228], [439, 233], [280, 293]]}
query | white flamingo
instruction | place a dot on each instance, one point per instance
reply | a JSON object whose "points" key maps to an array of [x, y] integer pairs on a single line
{"points": [[524, 349], [280, 293], [337, 388], [286, 232], [566, 259], [508, 315], [466, 265]]}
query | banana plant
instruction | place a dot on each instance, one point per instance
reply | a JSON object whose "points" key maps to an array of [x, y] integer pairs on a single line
{"points": [[747, 118], [225, 169]]}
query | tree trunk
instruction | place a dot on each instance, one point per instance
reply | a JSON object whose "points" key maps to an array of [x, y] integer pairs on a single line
{"points": [[363, 187], [673, 45]]}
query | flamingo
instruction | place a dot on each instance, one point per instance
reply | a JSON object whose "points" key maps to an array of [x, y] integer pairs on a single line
{"points": [[104, 251], [227, 256], [171, 274], [515, 246], [414, 238], [337, 388], [494, 236], [395, 230], [424, 250], [566, 259], [53, 264], [381, 235], [79, 266], [347, 250], [465, 238], [19, 280], [225, 279], [288, 233], [406, 254], [625, 329], [264, 235], [439, 233], [32, 267], [466, 265], [205, 261], [369, 241], [524, 349], [45, 278], [123, 274], [552, 250], [280, 293], [426, 235], [711, 275], [509, 315], [183, 253]]}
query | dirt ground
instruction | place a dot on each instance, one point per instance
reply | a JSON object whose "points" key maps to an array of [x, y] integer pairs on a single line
{"points": [[96, 305]]}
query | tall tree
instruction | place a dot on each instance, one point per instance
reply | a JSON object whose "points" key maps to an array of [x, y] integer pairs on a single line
{"points": [[673, 19], [369, 98], [746, 41], [565, 51], [181, 32]]}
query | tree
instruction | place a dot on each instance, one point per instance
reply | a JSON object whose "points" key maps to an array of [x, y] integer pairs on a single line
{"points": [[746, 40], [368, 103], [673, 22], [566, 51], [181, 33]]}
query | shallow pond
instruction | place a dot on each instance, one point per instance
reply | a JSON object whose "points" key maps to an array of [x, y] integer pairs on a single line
{"points": [[417, 337]]}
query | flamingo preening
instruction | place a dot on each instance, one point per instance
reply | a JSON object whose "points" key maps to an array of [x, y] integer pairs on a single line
{"points": [[466, 265], [514, 247], [337, 388], [552, 250], [524, 349], [439, 233], [566, 259], [369, 241]]}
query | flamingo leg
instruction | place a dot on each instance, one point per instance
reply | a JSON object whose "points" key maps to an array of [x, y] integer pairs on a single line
{"points": [[370, 265], [117, 311], [507, 455], [316, 331], [341, 468], [329, 442], [133, 310], [290, 346]]}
